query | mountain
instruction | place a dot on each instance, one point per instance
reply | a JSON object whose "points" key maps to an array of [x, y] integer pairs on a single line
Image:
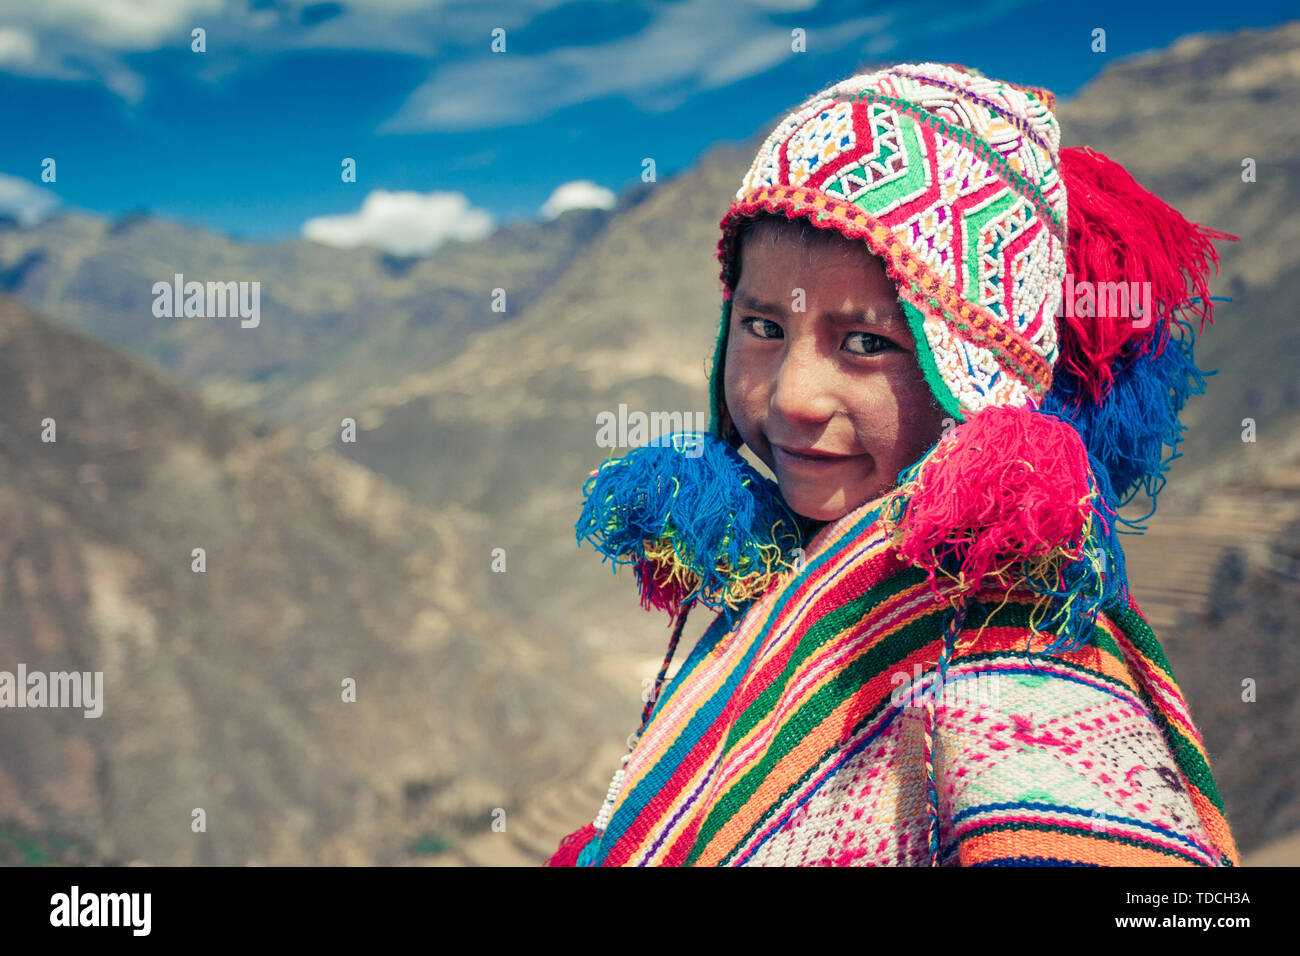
{"points": [[329, 319], [223, 688], [1184, 121]]}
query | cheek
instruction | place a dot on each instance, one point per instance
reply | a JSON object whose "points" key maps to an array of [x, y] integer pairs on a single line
{"points": [[741, 384], [900, 418], [918, 420]]}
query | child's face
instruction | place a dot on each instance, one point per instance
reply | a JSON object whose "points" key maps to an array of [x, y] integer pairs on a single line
{"points": [[846, 386]]}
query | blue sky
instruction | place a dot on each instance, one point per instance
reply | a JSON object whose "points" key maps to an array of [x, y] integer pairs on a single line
{"points": [[449, 137]]}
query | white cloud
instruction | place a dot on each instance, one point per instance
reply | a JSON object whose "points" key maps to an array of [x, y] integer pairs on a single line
{"points": [[690, 46], [579, 194], [686, 48], [16, 46], [405, 223], [26, 202], [122, 24]]}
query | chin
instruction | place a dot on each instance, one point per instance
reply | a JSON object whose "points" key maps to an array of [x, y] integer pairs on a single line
{"points": [[821, 507], [821, 514], [820, 504]]}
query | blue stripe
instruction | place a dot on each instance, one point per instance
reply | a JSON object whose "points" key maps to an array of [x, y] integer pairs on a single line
{"points": [[1031, 861], [668, 764]]}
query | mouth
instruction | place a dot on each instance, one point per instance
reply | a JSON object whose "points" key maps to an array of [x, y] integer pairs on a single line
{"points": [[808, 457]]}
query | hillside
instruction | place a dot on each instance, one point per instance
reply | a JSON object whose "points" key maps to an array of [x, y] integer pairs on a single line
{"points": [[222, 689], [330, 319]]}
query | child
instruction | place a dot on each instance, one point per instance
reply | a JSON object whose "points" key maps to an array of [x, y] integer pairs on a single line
{"points": [[925, 652]]}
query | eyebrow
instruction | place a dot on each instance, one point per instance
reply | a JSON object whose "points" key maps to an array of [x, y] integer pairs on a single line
{"points": [[869, 317]]}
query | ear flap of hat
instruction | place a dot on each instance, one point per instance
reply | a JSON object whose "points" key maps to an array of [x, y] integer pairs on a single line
{"points": [[720, 424]]}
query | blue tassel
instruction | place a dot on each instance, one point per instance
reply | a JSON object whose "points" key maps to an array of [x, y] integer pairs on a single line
{"points": [[725, 522], [1127, 433]]}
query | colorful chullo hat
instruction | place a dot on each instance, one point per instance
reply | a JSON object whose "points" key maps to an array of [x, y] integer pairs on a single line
{"points": [[955, 182], [1062, 410], [958, 183]]}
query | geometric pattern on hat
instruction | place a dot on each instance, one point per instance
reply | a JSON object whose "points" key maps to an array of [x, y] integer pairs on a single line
{"points": [[951, 179]]}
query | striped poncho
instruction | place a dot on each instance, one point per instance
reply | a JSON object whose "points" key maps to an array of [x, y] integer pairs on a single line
{"points": [[798, 738]]}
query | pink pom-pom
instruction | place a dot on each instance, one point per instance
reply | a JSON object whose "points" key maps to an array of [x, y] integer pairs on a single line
{"points": [[1007, 485]]}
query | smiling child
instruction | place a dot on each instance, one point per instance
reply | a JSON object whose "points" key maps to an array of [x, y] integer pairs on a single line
{"points": [[925, 649]]}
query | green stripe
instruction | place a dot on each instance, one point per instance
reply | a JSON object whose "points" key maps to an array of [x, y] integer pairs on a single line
{"points": [[925, 358], [820, 633], [716, 396], [1016, 614], [916, 175], [975, 222], [1143, 638]]}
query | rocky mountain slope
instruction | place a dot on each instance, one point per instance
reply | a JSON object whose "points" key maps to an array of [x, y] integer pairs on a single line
{"points": [[223, 689]]}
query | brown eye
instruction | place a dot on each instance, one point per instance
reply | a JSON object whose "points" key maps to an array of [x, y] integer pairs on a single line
{"points": [[766, 324], [871, 344]]}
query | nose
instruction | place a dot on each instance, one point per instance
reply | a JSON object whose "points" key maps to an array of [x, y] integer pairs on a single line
{"points": [[802, 389]]}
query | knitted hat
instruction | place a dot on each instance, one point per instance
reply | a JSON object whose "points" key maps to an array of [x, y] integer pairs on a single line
{"points": [[1064, 407], [952, 180]]}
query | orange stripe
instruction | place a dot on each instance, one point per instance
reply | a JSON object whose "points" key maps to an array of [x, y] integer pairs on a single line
{"points": [[1060, 846], [1215, 823]]}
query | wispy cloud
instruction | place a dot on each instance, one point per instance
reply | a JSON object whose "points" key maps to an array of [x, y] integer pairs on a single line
{"points": [[685, 48], [688, 48], [17, 47], [25, 201], [405, 223]]}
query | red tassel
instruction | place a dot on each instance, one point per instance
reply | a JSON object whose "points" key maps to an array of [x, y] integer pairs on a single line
{"points": [[1120, 232], [572, 846], [659, 589], [1006, 485]]}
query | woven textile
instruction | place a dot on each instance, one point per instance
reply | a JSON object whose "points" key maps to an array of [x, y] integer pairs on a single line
{"points": [[795, 738]]}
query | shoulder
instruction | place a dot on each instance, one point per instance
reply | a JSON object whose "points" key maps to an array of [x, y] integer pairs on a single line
{"points": [[1095, 744]]}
